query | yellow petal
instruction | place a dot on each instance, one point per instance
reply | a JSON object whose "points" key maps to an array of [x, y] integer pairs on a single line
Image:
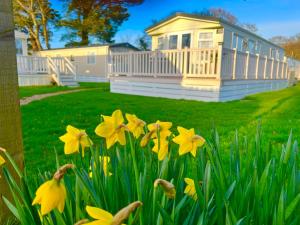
{"points": [[104, 129], [71, 147], [2, 160], [118, 117], [99, 214], [121, 136], [73, 130]]}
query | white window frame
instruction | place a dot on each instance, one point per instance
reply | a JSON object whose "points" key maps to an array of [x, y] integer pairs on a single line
{"points": [[253, 50], [88, 58], [239, 42], [191, 37], [177, 40], [19, 46], [211, 39], [160, 46]]}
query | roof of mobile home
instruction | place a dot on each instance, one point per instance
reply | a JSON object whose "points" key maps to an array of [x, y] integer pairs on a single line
{"points": [[205, 18], [113, 45]]}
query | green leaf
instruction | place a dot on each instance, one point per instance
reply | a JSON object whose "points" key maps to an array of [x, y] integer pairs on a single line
{"points": [[291, 207]]}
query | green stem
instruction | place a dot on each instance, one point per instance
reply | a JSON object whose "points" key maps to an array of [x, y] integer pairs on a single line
{"points": [[136, 173]]}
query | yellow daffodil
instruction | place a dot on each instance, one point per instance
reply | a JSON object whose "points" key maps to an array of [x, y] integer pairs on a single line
{"points": [[161, 128], [190, 188], [52, 194], [161, 149], [112, 129], [2, 160], [73, 139], [188, 141], [104, 160], [168, 187], [135, 125], [103, 217]]}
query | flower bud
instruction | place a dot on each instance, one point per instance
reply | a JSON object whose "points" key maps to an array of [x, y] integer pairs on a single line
{"points": [[168, 187], [61, 171], [124, 213], [81, 222]]}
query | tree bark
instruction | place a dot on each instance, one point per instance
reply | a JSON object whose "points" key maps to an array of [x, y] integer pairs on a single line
{"points": [[10, 119]]}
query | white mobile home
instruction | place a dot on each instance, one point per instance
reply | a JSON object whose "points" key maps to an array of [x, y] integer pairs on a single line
{"points": [[201, 58], [90, 61], [67, 66]]}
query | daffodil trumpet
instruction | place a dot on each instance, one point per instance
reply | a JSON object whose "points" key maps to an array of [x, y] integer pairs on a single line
{"points": [[52, 194]]}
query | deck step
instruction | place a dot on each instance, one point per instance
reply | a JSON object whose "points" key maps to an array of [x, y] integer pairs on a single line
{"points": [[68, 80]]}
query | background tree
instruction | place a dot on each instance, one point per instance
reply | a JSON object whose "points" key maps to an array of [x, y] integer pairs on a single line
{"points": [[37, 17], [229, 17], [99, 19], [143, 42], [290, 44], [10, 123]]}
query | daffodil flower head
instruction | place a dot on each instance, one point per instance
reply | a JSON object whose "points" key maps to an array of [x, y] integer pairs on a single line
{"points": [[188, 141], [160, 128], [168, 187], [135, 125], [161, 148], [52, 194], [103, 217], [190, 188], [73, 139], [112, 129]]}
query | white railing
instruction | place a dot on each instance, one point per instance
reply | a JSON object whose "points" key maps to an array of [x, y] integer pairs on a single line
{"points": [[168, 63], [294, 67], [238, 65], [202, 63], [55, 66], [32, 65]]}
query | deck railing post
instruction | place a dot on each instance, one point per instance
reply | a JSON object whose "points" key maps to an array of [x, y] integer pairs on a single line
{"points": [[130, 63], [257, 66], [234, 64], [219, 60], [247, 65], [265, 67], [272, 69], [156, 63], [185, 62]]}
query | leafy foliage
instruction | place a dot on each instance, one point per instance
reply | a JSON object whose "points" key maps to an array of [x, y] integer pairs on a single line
{"points": [[36, 16], [100, 19], [256, 185]]}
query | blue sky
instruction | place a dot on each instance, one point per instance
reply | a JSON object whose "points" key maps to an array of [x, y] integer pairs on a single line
{"points": [[272, 17]]}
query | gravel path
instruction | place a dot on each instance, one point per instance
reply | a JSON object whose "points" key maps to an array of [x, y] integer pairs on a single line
{"points": [[27, 100]]}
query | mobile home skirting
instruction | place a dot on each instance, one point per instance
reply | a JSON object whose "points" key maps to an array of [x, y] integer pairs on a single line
{"points": [[206, 91]]}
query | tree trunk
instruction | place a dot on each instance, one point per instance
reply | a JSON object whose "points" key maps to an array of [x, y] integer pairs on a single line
{"points": [[10, 120], [84, 37]]}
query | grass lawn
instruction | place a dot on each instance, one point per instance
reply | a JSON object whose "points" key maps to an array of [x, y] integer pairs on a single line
{"points": [[44, 121], [35, 90]]}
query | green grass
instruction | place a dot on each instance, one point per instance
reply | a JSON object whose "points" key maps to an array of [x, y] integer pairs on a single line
{"points": [[37, 90], [44, 121]]}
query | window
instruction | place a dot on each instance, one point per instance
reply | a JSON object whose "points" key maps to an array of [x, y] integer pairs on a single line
{"points": [[160, 43], [239, 43], [206, 40], [19, 47], [272, 53], [251, 46], [91, 58], [258, 47], [186, 41], [173, 41]]}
